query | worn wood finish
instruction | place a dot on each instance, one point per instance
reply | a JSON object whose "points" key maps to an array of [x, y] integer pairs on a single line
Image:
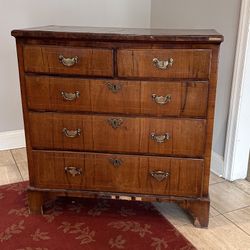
{"points": [[45, 59], [120, 34], [132, 175], [187, 63], [198, 210], [116, 78], [132, 136], [36, 200], [117, 96]]}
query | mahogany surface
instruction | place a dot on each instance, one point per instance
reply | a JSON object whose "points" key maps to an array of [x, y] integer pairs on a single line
{"points": [[115, 113]]}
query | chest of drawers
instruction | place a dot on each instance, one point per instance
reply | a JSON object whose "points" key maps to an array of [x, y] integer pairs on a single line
{"points": [[119, 112]]}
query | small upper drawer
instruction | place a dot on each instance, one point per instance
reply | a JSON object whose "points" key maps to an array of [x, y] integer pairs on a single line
{"points": [[67, 60], [164, 63]]}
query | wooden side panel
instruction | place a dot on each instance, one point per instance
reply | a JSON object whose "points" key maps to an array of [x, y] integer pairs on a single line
{"points": [[210, 118], [187, 63], [45, 59], [133, 175]]}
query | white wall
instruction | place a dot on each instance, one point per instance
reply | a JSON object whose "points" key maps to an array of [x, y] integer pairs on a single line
{"points": [[222, 15], [29, 13]]}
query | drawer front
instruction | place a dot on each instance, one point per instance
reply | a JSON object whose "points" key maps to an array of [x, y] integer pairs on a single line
{"points": [[117, 134], [164, 63], [67, 60], [118, 173], [115, 96]]}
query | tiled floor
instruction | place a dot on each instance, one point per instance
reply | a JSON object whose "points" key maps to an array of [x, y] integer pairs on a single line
{"points": [[229, 226]]}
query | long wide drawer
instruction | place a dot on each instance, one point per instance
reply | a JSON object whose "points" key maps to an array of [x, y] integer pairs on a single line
{"points": [[68, 60], [116, 96], [164, 63], [117, 134], [118, 173]]}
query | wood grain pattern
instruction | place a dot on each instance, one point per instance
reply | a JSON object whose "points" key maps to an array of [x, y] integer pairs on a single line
{"points": [[120, 34], [132, 136], [133, 175], [188, 99], [188, 63], [45, 59], [120, 57]]}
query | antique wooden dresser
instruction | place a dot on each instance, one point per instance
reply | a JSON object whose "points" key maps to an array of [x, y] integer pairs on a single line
{"points": [[119, 113]]}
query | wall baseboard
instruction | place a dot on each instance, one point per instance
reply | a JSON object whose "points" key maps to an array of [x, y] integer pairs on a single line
{"points": [[12, 139], [217, 164]]}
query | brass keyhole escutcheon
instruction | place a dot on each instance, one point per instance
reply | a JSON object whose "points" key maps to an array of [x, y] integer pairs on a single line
{"points": [[115, 162], [114, 87], [115, 122]]}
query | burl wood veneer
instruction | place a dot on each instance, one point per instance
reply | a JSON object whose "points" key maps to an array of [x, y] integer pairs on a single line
{"points": [[119, 112]]}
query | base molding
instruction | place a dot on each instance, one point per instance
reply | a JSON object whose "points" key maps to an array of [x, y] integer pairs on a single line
{"points": [[196, 207], [198, 210], [12, 139]]}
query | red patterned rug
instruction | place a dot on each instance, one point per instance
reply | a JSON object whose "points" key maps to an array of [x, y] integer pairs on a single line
{"points": [[84, 224]]}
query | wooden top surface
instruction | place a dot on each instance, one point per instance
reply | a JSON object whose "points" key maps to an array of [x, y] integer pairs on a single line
{"points": [[119, 34]]}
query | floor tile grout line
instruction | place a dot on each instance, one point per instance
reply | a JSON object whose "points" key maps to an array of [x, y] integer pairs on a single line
{"points": [[240, 188], [215, 210], [8, 163], [235, 210], [17, 166], [231, 183], [211, 184], [236, 225]]}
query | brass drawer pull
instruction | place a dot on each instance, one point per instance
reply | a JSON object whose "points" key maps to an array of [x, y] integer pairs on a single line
{"points": [[159, 175], [71, 133], [161, 99], [160, 138], [70, 96], [68, 62], [115, 162], [161, 64], [114, 87], [73, 171], [115, 122]]}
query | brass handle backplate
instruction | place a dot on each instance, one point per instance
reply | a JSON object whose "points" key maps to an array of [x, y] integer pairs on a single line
{"points": [[161, 99], [115, 162], [73, 171], [160, 138], [68, 96], [159, 175], [115, 122], [161, 64], [114, 87], [71, 133], [67, 61]]}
